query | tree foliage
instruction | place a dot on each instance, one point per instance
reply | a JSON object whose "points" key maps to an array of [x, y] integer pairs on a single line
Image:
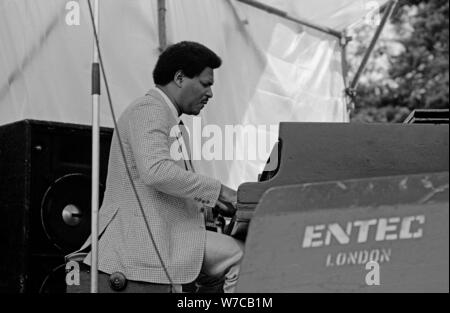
{"points": [[409, 68]]}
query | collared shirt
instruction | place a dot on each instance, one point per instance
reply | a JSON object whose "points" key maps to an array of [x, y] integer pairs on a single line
{"points": [[169, 102], [182, 128]]}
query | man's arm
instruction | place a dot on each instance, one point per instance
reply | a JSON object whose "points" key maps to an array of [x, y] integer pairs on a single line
{"points": [[149, 137]]}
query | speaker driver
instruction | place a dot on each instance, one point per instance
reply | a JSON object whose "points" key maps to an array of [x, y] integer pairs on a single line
{"points": [[66, 211]]}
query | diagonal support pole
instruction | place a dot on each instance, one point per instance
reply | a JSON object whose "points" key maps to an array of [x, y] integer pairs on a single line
{"points": [[285, 15], [389, 10]]}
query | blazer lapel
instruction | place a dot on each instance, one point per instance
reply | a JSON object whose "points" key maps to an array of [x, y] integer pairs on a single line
{"points": [[184, 142]]}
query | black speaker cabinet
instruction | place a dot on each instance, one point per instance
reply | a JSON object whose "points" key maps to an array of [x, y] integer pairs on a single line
{"points": [[45, 199]]}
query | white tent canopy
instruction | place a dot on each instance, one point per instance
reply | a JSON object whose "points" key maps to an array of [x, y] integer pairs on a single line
{"points": [[273, 69], [335, 14]]}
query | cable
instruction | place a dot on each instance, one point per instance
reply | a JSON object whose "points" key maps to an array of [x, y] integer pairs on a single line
{"points": [[41, 289], [122, 150]]}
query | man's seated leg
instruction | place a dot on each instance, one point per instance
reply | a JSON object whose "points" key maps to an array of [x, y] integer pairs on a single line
{"points": [[221, 263]]}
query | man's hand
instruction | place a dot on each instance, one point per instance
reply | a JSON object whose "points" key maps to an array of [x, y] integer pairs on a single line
{"points": [[226, 204]]}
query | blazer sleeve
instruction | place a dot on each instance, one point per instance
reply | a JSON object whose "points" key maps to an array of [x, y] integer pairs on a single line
{"points": [[149, 139]]}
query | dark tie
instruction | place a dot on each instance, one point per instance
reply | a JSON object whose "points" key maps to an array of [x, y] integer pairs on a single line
{"points": [[185, 136]]}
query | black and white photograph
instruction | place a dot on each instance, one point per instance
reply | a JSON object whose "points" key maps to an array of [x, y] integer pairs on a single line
{"points": [[227, 155]]}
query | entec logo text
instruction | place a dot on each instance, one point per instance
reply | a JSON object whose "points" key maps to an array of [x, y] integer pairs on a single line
{"points": [[360, 231]]}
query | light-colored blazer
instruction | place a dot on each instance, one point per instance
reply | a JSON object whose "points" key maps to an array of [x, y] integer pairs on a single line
{"points": [[172, 198]]}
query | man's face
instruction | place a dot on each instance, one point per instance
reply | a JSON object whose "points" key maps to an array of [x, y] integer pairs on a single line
{"points": [[196, 92]]}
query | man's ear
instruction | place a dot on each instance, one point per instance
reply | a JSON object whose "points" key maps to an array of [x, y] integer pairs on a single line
{"points": [[178, 78]]}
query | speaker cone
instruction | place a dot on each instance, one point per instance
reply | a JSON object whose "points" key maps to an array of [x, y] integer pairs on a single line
{"points": [[66, 211]]}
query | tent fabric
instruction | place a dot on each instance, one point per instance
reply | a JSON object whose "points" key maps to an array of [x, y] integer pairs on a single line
{"points": [[335, 14], [273, 70]]}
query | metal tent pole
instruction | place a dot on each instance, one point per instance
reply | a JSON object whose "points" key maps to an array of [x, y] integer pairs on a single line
{"points": [[344, 44], [285, 15], [389, 10], [162, 25]]}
